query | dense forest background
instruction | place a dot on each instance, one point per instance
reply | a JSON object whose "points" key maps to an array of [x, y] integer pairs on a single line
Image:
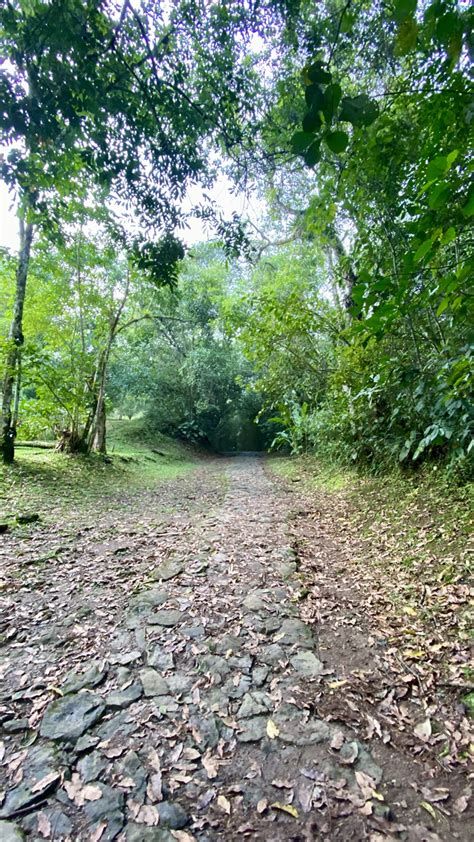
{"points": [[334, 318]]}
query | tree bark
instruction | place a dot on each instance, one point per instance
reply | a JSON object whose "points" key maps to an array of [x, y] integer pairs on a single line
{"points": [[8, 432]]}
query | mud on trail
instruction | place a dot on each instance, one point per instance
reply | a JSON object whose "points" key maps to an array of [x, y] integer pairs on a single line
{"points": [[164, 678]]}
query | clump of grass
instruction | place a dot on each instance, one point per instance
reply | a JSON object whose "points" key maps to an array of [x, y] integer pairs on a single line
{"points": [[49, 483]]}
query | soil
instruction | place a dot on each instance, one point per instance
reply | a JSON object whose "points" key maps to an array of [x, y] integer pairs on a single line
{"points": [[199, 662]]}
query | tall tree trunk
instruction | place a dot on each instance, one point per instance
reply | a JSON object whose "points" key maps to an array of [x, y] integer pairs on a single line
{"points": [[98, 441], [7, 436]]}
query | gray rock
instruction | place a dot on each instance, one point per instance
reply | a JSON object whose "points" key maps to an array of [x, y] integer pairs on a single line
{"points": [[306, 663], [272, 624], [124, 698], [295, 631], [259, 675], [233, 691], [153, 683], [61, 825], [365, 763], [297, 732], [119, 726], [172, 815], [272, 654], [12, 726], [149, 598], [253, 729], [41, 762], [92, 677], [160, 659], [69, 717], [125, 658], [168, 570], [254, 601], [10, 832], [92, 766], [107, 808], [229, 641], [180, 682], [253, 704], [166, 617], [142, 833], [286, 569], [85, 743], [207, 728], [130, 766], [196, 632]]}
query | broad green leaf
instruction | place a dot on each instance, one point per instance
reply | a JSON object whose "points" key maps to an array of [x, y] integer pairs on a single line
{"points": [[317, 73], [404, 9], [468, 208], [312, 121], [407, 36], [300, 141], [438, 195], [448, 236], [437, 167], [314, 97], [359, 110], [313, 154], [423, 250], [332, 98], [337, 141]]}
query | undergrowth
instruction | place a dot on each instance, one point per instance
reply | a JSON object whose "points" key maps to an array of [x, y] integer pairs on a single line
{"points": [[45, 482]]}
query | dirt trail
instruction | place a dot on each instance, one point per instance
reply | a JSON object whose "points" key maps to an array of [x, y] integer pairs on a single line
{"points": [[160, 684]]}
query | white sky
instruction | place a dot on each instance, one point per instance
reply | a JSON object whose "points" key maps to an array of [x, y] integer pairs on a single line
{"points": [[225, 201]]}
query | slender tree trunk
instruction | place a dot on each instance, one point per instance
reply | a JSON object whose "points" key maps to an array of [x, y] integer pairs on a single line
{"points": [[7, 436], [98, 439]]}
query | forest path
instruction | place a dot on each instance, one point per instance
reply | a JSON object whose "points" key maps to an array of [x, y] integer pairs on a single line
{"points": [[162, 685]]}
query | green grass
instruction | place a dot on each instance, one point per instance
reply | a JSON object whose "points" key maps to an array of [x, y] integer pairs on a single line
{"points": [[48, 483]]}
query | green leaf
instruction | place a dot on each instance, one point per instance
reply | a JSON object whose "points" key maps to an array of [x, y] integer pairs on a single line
{"points": [[404, 9], [337, 141], [300, 141], [407, 36], [313, 154], [448, 236], [312, 121], [443, 306], [314, 97], [423, 250], [437, 167], [468, 209], [438, 195], [317, 73], [359, 110], [332, 98]]}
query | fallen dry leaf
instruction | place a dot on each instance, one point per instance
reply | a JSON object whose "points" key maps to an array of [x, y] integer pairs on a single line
{"points": [[43, 825], [224, 804], [285, 808], [272, 729], [423, 730], [148, 814]]}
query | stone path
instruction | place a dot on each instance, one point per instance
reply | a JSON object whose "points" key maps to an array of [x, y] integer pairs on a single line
{"points": [[193, 715]]}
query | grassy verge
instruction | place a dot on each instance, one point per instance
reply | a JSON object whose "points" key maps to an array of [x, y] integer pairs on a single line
{"points": [[45, 483], [407, 538]]}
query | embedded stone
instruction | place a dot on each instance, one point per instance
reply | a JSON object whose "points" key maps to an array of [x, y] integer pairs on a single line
{"points": [[253, 704], [253, 729], [306, 663], [11, 832], [168, 570], [92, 677], [153, 683], [69, 717], [124, 698], [166, 617]]}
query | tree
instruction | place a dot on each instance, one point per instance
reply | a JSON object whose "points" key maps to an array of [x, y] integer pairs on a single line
{"points": [[130, 102]]}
